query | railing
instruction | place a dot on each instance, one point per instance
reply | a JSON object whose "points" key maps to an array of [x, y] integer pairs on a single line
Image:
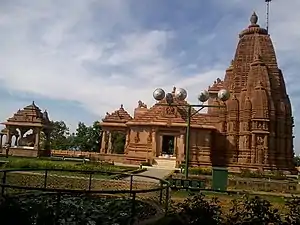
{"points": [[136, 189]]}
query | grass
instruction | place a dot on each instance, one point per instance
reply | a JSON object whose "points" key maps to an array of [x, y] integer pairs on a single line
{"points": [[225, 199], [36, 163], [66, 182]]}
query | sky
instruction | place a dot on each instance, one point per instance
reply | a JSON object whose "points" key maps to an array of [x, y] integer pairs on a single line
{"points": [[80, 59]]}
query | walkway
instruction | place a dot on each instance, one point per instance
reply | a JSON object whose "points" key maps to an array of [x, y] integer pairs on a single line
{"points": [[152, 172]]}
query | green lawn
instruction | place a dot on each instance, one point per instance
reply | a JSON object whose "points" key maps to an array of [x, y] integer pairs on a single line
{"points": [[102, 179], [36, 163]]}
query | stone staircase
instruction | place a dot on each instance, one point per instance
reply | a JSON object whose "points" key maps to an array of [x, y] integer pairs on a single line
{"points": [[162, 163]]}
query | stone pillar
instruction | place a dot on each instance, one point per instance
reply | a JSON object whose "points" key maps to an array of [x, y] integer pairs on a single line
{"points": [[253, 149], [181, 148], [175, 147], [8, 137], [103, 142], [1, 137], [37, 139], [266, 150], [16, 140], [109, 149], [154, 143]]}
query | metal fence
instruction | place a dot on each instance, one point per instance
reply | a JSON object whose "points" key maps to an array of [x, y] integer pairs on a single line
{"points": [[128, 196]]}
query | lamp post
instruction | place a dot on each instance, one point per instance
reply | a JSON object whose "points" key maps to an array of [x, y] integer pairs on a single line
{"points": [[181, 94]]}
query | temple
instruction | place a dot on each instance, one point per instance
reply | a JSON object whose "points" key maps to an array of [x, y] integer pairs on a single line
{"points": [[254, 130], [30, 128]]}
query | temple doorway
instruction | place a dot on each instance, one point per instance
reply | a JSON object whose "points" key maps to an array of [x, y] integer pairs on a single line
{"points": [[168, 145]]}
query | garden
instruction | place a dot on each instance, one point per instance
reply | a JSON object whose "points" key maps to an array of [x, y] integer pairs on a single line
{"points": [[68, 192], [275, 182], [72, 209], [239, 210], [185, 207], [31, 172]]}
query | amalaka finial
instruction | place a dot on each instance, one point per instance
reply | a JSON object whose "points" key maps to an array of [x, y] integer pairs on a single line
{"points": [[254, 18]]}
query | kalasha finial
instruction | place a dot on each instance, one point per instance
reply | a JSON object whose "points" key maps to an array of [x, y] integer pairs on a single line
{"points": [[33, 103], [174, 90], [121, 106], [254, 19]]}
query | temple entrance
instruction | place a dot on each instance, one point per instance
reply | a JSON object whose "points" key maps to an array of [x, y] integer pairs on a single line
{"points": [[118, 140], [168, 145]]}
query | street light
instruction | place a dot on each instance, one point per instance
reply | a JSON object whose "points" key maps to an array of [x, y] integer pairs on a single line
{"points": [[181, 94]]}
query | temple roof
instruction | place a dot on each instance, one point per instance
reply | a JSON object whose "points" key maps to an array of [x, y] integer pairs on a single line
{"points": [[30, 115], [118, 116], [165, 114]]}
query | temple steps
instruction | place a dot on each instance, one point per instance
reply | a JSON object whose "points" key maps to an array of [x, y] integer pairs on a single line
{"points": [[162, 163]]}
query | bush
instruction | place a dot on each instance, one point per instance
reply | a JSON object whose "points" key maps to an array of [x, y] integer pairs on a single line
{"points": [[244, 211], [49, 164], [252, 211], [276, 175], [200, 171], [293, 208], [82, 209], [197, 210]]}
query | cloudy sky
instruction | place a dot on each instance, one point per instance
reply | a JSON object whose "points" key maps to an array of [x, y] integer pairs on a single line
{"points": [[81, 58]]}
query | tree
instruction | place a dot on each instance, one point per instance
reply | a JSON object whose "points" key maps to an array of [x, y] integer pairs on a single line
{"points": [[297, 160], [118, 142], [87, 138], [95, 136], [59, 135]]}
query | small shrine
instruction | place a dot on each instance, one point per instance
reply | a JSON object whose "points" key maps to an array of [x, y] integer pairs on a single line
{"points": [[27, 133]]}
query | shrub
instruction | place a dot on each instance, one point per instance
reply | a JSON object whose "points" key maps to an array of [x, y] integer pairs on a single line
{"points": [[277, 175], [252, 211], [200, 171], [197, 210], [293, 208], [49, 164]]}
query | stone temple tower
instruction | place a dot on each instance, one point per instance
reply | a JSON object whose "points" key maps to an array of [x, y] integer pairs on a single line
{"points": [[258, 121]]}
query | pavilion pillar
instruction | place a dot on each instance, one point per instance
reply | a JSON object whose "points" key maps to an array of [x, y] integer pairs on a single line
{"points": [[8, 137], [103, 142], [1, 137], [16, 140], [109, 149], [37, 139], [154, 143], [181, 148]]}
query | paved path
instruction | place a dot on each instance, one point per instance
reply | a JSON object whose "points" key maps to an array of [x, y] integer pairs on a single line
{"points": [[153, 172]]}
